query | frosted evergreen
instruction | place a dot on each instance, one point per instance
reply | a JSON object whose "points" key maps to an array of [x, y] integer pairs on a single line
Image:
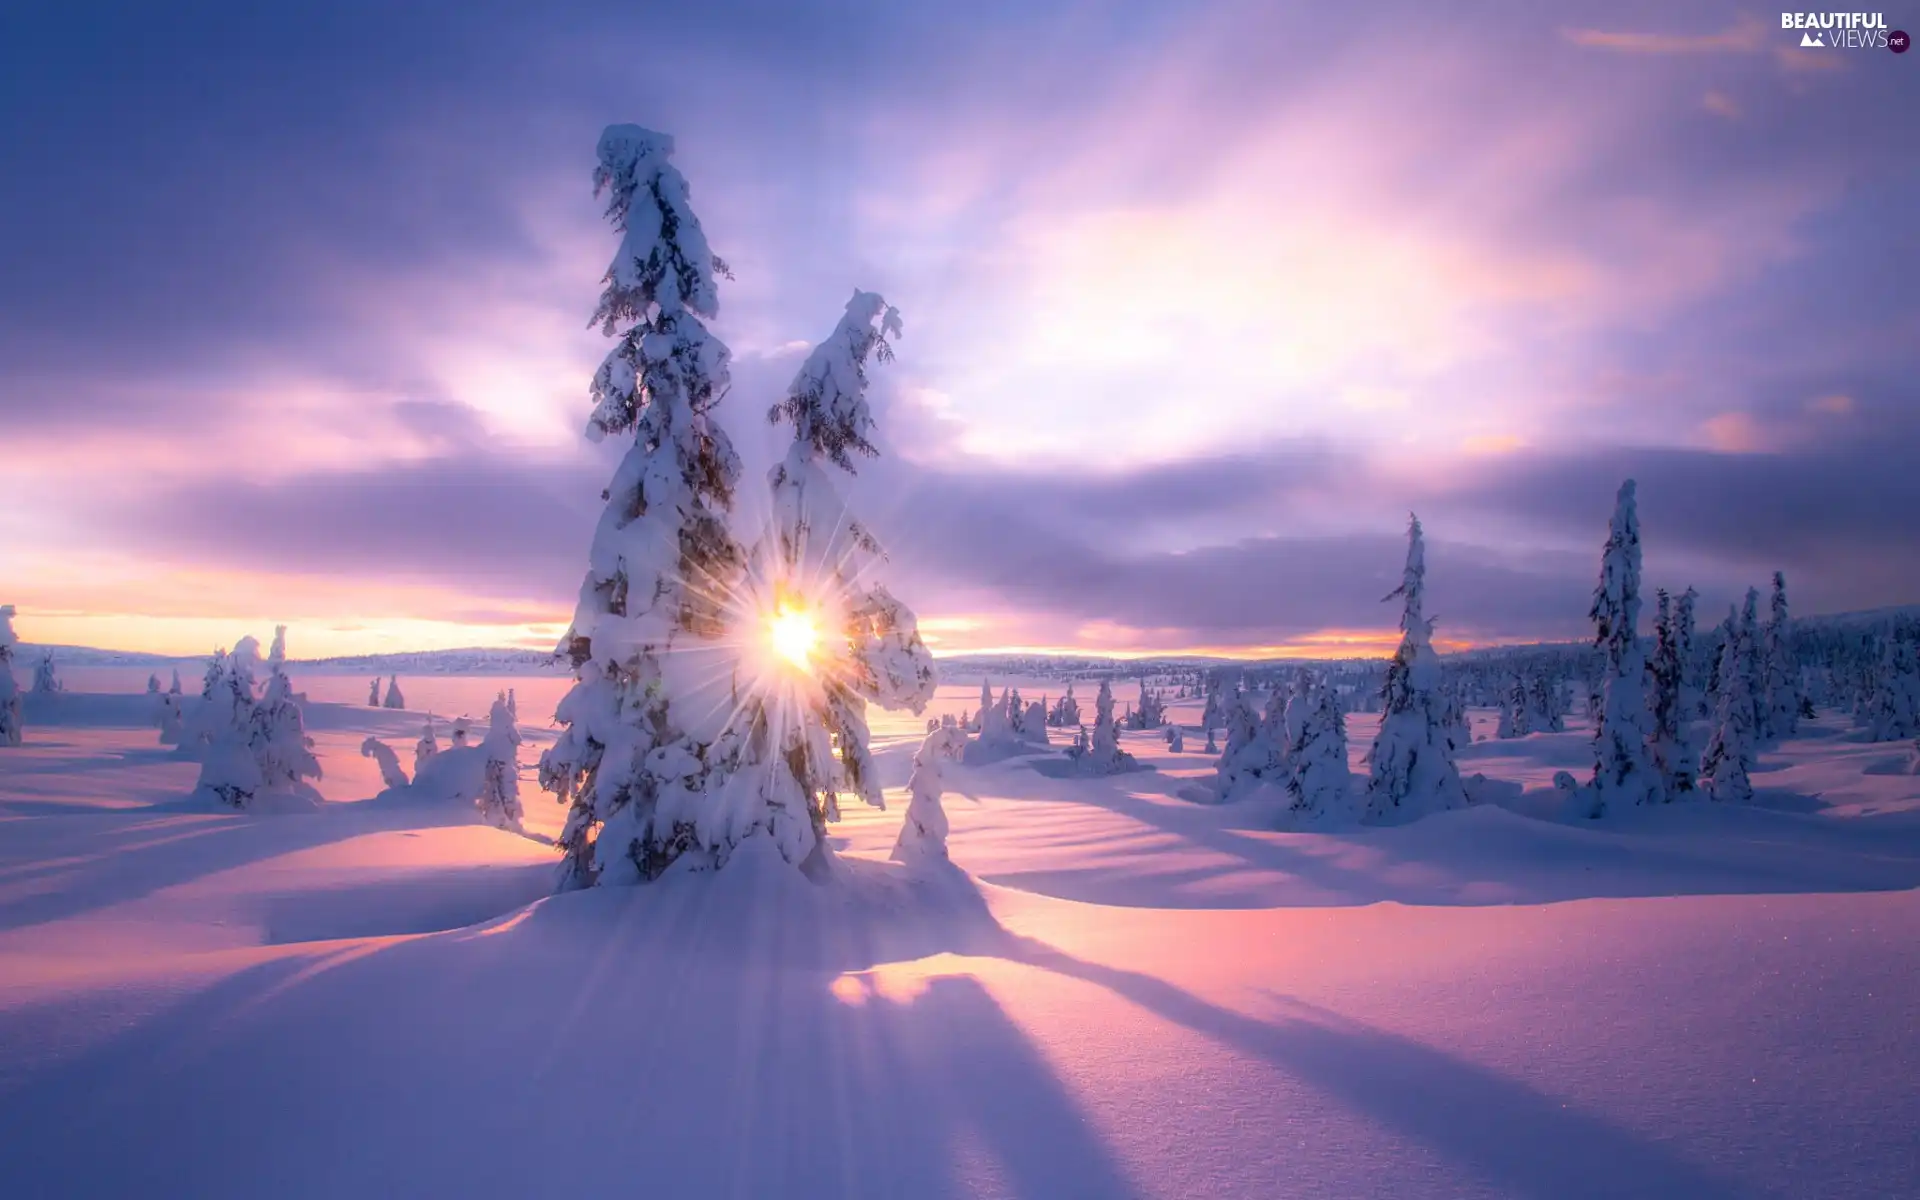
{"points": [[1412, 768]]}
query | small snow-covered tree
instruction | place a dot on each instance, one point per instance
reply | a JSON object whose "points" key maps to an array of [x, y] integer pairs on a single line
{"points": [[1893, 704], [461, 728], [1623, 773], [1674, 754], [1728, 764], [1781, 669], [394, 698], [373, 693], [224, 729], [1066, 715], [173, 689], [499, 801], [279, 738], [172, 719], [46, 680], [1320, 786], [1177, 740], [1104, 755], [923, 835], [11, 729], [426, 747], [1751, 665], [1516, 711], [153, 684], [1691, 702], [1549, 705], [391, 773], [277, 652], [1251, 754], [1034, 728], [1413, 772], [513, 704]]}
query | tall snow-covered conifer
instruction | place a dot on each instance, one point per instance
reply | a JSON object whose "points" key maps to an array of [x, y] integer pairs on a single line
{"points": [[1781, 669], [1674, 755], [653, 683], [1729, 760], [804, 730], [1623, 772], [1413, 772]]}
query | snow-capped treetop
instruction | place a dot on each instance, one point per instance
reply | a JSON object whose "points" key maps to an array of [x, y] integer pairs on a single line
{"points": [[277, 653], [663, 257], [1616, 597], [8, 640], [827, 402]]}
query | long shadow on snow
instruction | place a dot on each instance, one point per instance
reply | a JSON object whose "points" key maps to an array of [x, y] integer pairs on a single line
{"points": [[1487, 854], [595, 1043]]}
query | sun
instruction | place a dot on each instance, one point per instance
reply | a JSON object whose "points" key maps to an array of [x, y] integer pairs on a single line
{"points": [[794, 633]]}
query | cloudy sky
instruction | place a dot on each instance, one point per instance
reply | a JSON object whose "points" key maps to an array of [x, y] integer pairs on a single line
{"points": [[1201, 299]]}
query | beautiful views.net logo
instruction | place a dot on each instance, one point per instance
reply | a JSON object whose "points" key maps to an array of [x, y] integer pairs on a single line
{"points": [[1842, 30]]}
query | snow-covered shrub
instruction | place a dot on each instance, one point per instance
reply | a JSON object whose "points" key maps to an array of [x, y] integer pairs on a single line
{"points": [[392, 774], [1624, 773], [1177, 740], [153, 684], [923, 834], [11, 728], [394, 698], [1413, 772], [373, 693], [46, 680]]}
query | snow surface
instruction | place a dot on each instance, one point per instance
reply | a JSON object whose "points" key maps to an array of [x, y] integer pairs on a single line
{"points": [[1112, 992]]}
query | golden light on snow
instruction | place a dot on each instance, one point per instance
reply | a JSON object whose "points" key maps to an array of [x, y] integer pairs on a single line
{"points": [[795, 634]]}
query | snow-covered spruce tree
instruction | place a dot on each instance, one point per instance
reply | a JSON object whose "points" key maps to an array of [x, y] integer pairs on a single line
{"points": [[173, 724], [513, 704], [807, 735], [173, 689], [1726, 768], [1413, 772], [923, 834], [1692, 704], [1320, 786], [1034, 729], [1067, 716], [1750, 662], [1104, 755], [641, 719], [461, 726], [1177, 740], [280, 743], [373, 693], [426, 747], [1250, 755], [153, 684], [1624, 774], [394, 698], [392, 775], [1674, 755], [277, 652], [1516, 711], [1549, 705], [11, 728], [224, 729], [499, 801], [1213, 713], [1780, 668], [46, 680]]}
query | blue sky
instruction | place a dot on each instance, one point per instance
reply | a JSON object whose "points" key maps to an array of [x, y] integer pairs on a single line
{"points": [[1201, 300]]}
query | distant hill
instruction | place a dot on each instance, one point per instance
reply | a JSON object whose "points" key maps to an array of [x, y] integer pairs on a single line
{"points": [[491, 660]]}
